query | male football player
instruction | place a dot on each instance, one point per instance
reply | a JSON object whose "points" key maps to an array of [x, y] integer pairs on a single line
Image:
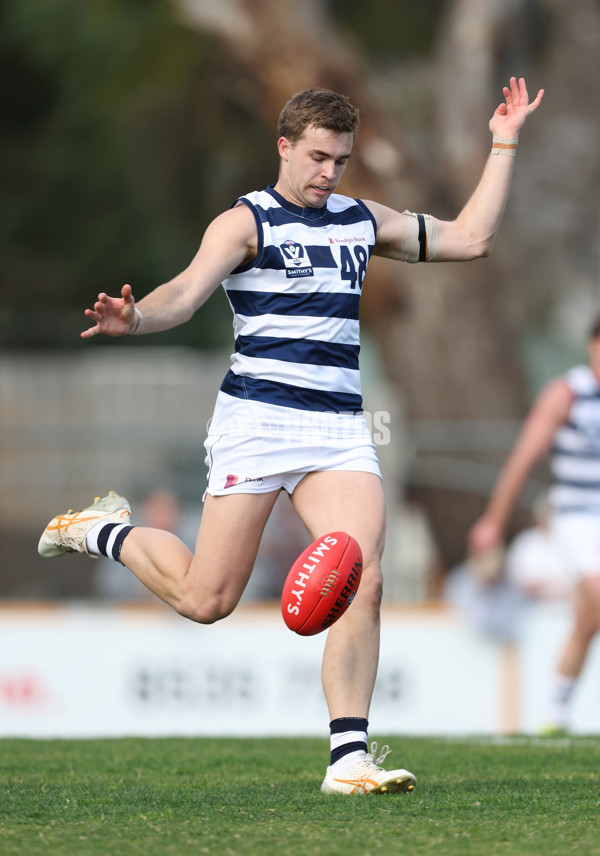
{"points": [[292, 259]]}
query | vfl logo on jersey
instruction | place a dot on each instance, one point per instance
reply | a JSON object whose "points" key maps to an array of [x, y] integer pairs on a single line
{"points": [[295, 259]]}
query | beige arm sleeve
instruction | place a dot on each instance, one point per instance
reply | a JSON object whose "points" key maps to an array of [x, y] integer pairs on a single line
{"points": [[420, 242]]}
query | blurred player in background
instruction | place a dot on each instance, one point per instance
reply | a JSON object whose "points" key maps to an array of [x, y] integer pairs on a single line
{"points": [[534, 564], [292, 259], [564, 422]]}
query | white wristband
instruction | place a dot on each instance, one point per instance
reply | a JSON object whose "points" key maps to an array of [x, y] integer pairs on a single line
{"points": [[506, 146], [135, 324]]}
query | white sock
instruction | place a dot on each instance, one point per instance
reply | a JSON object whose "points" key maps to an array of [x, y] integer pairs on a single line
{"points": [[106, 538], [560, 698], [91, 539], [347, 746], [347, 761]]}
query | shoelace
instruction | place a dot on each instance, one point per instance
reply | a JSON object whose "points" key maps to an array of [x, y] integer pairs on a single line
{"points": [[385, 751], [371, 759]]}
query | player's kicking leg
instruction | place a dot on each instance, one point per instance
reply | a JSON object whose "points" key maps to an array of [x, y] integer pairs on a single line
{"points": [[352, 502], [204, 586]]}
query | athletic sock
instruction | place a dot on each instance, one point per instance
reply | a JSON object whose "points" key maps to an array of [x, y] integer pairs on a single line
{"points": [[348, 741], [560, 698], [106, 539]]}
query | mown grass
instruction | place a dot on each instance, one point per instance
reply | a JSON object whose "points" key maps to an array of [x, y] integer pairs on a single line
{"points": [[261, 797]]}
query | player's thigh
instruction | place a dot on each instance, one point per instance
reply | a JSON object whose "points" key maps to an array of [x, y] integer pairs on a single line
{"points": [[341, 500], [228, 540]]}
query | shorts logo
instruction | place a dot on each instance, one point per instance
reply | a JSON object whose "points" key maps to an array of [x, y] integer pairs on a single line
{"points": [[296, 260], [232, 480]]}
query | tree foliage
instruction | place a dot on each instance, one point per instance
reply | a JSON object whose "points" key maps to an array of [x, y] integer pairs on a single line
{"points": [[119, 145], [124, 131]]}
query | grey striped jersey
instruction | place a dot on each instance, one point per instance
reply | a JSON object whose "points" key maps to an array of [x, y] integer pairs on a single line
{"points": [[575, 456], [296, 306]]}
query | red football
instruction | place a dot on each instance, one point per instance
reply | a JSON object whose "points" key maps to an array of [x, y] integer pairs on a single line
{"points": [[321, 584]]}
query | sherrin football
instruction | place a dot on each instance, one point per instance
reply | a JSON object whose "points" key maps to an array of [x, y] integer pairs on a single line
{"points": [[321, 584]]}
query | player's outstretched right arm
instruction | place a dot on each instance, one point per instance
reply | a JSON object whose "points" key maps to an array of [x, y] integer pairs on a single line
{"points": [[229, 242]]}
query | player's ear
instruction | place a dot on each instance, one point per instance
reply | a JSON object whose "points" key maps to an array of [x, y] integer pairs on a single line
{"points": [[284, 148]]}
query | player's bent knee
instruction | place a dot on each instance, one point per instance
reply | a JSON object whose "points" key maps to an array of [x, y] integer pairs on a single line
{"points": [[371, 586], [206, 611]]}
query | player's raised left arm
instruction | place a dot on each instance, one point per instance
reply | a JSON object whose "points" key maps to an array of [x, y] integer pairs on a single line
{"points": [[473, 233]]}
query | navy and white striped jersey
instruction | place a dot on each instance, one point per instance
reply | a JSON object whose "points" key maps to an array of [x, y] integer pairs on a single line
{"points": [[296, 306], [575, 459]]}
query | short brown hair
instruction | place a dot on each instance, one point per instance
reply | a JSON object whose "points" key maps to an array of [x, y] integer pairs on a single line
{"points": [[320, 108]]}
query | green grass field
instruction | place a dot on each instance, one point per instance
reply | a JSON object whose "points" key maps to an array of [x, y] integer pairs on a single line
{"points": [[227, 796]]}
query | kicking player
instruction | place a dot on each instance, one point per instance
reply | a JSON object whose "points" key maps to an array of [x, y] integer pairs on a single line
{"points": [[292, 259]]}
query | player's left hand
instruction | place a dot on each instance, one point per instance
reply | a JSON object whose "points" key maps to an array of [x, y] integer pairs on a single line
{"points": [[511, 114]]}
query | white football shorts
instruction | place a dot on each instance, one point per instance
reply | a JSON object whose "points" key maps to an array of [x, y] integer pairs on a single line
{"points": [[256, 448], [577, 536]]}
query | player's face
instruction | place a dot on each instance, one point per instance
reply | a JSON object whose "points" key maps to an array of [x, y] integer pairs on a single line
{"points": [[312, 167]]}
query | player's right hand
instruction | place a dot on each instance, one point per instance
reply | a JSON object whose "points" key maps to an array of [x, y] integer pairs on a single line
{"points": [[113, 315]]}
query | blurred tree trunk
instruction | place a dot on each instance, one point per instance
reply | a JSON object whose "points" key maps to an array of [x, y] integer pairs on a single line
{"points": [[445, 331]]}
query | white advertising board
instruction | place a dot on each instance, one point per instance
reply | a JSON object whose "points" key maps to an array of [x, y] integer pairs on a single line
{"points": [[78, 672], [87, 673]]}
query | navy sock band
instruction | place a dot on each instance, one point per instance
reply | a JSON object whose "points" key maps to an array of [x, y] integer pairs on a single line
{"points": [[116, 548], [111, 547], [345, 749], [348, 723], [348, 735], [103, 538]]}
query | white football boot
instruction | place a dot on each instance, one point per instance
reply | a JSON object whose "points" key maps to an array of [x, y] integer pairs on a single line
{"points": [[66, 533], [367, 777]]}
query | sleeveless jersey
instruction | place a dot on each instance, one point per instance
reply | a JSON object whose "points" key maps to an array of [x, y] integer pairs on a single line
{"points": [[296, 306], [575, 458]]}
